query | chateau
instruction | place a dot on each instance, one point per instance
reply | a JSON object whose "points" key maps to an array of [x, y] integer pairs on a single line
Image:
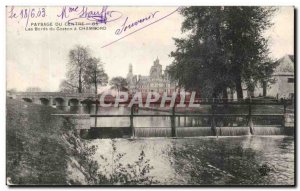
{"points": [[157, 81]]}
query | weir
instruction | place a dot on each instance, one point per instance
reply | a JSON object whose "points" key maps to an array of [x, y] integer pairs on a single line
{"points": [[194, 131], [269, 130], [153, 132], [130, 123], [232, 131], [207, 131], [185, 131]]}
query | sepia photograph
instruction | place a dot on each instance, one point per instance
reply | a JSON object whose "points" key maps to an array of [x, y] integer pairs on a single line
{"points": [[150, 96]]}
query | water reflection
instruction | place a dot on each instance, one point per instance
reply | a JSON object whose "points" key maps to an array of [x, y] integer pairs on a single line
{"points": [[217, 161], [162, 121]]}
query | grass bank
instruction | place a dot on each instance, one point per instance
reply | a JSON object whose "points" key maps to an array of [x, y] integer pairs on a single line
{"points": [[39, 147]]}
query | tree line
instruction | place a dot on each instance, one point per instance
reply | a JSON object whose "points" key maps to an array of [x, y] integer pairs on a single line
{"points": [[225, 48]]}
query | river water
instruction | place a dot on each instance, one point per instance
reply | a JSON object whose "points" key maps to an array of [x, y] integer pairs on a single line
{"points": [[205, 160], [208, 160]]}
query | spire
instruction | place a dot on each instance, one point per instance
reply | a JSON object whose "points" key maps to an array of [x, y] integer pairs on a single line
{"points": [[130, 68], [156, 61]]}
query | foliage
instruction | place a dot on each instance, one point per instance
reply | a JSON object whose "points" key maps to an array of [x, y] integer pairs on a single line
{"points": [[78, 58], [225, 47], [68, 86], [140, 170], [38, 160], [116, 172], [95, 74], [118, 83], [84, 72]]}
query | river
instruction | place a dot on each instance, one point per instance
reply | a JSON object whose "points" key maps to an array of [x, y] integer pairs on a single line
{"points": [[206, 160]]}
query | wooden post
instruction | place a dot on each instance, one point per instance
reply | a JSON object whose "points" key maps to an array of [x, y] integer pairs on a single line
{"points": [[131, 121], [173, 125], [213, 122], [284, 113], [96, 112], [250, 122]]}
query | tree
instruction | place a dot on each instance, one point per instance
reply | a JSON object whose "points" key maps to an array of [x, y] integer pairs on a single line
{"points": [[118, 83], [78, 60], [95, 74], [225, 48], [247, 45], [67, 86], [84, 72]]}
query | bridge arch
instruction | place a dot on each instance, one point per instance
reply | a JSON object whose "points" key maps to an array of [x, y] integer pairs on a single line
{"points": [[59, 102], [88, 106], [27, 99], [87, 101], [45, 101], [74, 102]]}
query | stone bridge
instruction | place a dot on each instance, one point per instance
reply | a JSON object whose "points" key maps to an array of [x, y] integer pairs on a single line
{"points": [[53, 98]]}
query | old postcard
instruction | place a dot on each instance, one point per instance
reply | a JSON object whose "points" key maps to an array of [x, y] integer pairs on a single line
{"points": [[187, 95]]}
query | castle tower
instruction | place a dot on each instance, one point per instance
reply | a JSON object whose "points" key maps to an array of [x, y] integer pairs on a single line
{"points": [[156, 62], [156, 70], [129, 75], [130, 68]]}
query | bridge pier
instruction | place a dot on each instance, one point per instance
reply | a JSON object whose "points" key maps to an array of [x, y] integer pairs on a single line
{"points": [[36, 100], [66, 102], [51, 102]]}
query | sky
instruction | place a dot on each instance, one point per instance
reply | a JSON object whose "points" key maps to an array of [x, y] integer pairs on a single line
{"points": [[39, 58]]}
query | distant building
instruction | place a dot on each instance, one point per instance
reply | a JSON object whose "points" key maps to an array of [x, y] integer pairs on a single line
{"points": [[283, 87], [157, 81]]}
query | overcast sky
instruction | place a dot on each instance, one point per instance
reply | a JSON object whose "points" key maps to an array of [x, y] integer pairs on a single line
{"points": [[39, 58]]}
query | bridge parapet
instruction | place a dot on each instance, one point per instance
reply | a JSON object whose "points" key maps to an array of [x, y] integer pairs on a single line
{"points": [[55, 94], [52, 98]]}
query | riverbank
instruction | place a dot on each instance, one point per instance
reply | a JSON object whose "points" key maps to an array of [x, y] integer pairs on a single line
{"points": [[41, 149]]}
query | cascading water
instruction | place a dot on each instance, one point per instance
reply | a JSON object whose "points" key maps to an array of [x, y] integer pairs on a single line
{"points": [[232, 131], [206, 131], [153, 132], [194, 131], [268, 130]]}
